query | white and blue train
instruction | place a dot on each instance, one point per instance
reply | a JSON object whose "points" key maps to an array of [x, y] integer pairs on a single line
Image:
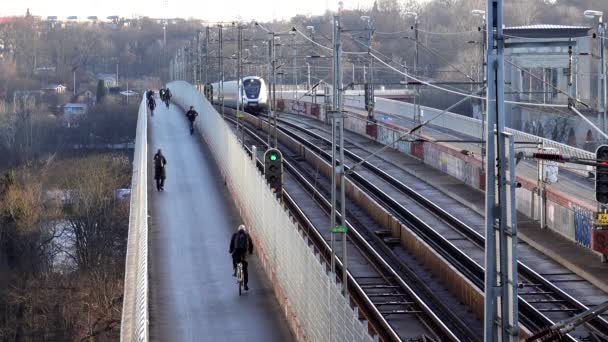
{"points": [[252, 92]]}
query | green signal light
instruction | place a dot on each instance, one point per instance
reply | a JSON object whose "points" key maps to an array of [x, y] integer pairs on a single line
{"points": [[273, 157]]}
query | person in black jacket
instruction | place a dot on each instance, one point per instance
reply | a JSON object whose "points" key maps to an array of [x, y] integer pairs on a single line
{"points": [[240, 243], [159, 170], [151, 105], [191, 114]]}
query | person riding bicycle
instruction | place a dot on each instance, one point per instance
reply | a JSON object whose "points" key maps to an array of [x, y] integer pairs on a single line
{"points": [[151, 104], [240, 243], [191, 114], [162, 94], [168, 94]]}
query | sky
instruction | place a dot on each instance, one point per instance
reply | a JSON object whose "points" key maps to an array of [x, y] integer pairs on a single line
{"points": [[212, 10]]}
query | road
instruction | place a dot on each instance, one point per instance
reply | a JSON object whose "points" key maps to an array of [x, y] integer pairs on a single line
{"points": [[193, 296]]}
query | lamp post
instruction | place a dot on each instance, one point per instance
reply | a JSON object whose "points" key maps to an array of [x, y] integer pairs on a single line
{"points": [[482, 79], [416, 99], [602, 81], [312, 38]]}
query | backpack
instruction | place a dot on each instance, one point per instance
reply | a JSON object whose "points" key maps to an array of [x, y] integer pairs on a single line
{"points": [[241, 241], [158, 160]]}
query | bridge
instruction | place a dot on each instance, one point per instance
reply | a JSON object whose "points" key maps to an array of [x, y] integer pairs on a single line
{"points": [[415, 241]]}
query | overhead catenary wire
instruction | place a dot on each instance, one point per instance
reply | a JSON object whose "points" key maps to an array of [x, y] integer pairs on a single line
{"points": [[456, 92], [312, 41]]}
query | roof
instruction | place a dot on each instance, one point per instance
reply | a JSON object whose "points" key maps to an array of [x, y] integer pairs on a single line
{"points": [[547, 31], [103, 76], [54, 86], [75, 105]]}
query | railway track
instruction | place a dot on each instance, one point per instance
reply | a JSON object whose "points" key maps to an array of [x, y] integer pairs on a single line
{"points": [[541, 301], [392, 294]]}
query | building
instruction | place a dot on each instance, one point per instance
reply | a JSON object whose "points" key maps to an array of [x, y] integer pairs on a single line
{"points": [[54, 88], [547, 65], [73, 113], [74, 109]]}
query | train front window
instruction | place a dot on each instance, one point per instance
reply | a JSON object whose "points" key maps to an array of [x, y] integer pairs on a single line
{"points": [[252, 88]]}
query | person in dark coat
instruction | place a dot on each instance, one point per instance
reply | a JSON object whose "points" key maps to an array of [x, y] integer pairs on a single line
{"points": [[159, 170]]}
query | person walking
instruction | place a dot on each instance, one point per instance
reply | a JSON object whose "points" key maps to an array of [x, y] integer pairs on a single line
{"points": [[159, 170]]}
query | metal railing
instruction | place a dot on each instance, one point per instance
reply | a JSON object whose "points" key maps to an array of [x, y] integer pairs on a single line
{"points": [[134, 324]]}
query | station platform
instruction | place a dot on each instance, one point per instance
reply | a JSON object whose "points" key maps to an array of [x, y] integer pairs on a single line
{"points": [[558, 257], [571, 184], [193, 296]]}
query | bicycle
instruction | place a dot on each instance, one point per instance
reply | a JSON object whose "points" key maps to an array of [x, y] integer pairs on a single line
{"points": [[239, 276]]}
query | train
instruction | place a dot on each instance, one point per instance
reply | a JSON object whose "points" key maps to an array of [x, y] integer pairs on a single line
{"points": [[252, 92]]}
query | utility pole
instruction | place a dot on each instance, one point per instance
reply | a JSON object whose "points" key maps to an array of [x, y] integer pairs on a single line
{"points": [[308, 72], [500, 306], [271, 89], [369, 106], [197, 73], [482, 79], [240, 105], [221, 67], [417, 97], [602, 32], [295, 68], [603, 58], [206, 55], [337, 156], [274, 87]]}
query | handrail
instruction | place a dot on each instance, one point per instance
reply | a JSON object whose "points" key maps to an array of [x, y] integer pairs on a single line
{"points": [[134, 323]]}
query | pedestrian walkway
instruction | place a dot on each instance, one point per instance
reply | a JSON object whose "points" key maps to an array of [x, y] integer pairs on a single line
{"points": [[193, 296]]}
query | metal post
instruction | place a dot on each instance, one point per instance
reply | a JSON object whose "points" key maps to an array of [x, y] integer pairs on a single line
{"points": [[500, 310], [308, 71], [483, 85], [338, 146], [542, 197], [295, 68], [240, 103], [270, 81], [274, 88], [197, 72], [370, 112], [417, 96], [164, 34], [602, 29], [206, 55], [221, 67]]}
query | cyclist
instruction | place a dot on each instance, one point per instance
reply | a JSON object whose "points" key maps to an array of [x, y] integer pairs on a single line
{"points": [[240, 243], [159, 170], [191, 114], [161, 93], [151, 104]]}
